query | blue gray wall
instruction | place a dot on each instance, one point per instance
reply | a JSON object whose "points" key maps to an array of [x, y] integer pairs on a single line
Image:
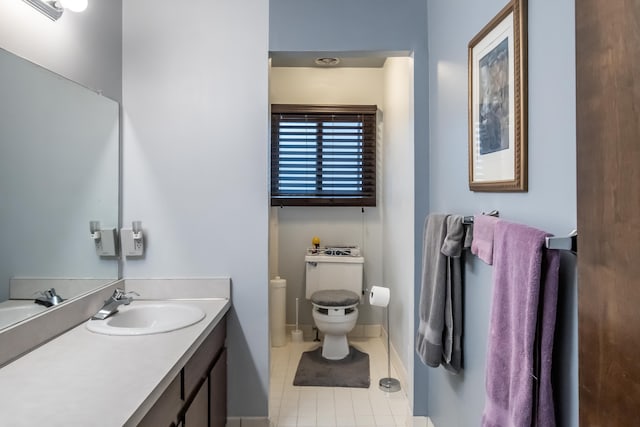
{"points": [[550, 203], [195, 155]]}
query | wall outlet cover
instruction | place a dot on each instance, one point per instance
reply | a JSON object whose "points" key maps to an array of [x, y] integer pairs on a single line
{"points": [[106, 244], [131, 247]]}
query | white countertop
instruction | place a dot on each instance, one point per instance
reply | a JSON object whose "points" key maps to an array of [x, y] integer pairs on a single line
{"points": [[85, 379]]}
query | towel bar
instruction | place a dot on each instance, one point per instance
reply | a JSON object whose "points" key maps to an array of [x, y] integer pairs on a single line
{"points": [[565, 243], [468, 220]]}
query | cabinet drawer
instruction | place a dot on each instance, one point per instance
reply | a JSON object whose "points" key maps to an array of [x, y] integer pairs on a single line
{"points": [[197, 368], [165, 411]]}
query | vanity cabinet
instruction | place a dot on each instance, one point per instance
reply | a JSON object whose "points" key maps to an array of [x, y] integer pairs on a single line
{"points": [[197, 397], [197, 414]]}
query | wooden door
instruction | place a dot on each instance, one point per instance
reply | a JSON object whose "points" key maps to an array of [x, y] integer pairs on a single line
{"points": [[608, 167]]}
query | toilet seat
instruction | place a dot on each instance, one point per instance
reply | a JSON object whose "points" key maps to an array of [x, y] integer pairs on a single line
{"points": [[335, 298]]}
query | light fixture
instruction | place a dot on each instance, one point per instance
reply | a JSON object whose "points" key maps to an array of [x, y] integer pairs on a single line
{"points": [[327, 61], [74, 5], [53, 9]]}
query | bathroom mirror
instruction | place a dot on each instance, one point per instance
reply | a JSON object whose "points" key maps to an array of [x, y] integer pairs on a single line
{"points": [[59, 160]]}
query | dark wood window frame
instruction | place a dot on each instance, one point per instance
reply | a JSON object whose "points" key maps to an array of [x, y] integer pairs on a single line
{"points": [[323, 155]]}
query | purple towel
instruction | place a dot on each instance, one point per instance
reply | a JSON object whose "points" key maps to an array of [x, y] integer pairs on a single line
{"points": [[482, 244], [523, 315]]}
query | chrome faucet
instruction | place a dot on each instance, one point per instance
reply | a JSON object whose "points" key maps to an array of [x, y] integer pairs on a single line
{"points": [[48, 298], [119, 297]]}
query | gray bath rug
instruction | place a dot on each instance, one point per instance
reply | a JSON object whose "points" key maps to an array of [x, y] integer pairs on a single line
{"points": [[314, 370]]}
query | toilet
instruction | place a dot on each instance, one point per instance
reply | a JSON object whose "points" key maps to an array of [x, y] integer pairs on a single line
{"points": [[334, 286]]}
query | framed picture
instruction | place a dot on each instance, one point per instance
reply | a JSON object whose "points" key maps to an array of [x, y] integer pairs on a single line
{"points": [[498, 102]]}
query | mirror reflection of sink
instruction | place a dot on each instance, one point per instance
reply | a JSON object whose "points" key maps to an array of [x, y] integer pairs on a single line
{"points": [[10, 314], [146, 319]]}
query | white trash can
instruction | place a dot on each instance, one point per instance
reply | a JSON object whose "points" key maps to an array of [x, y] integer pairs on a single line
{"points": [[277, 311]]}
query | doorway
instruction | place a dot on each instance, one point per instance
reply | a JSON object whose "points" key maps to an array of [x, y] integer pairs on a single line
{"points": [[384, 233]]}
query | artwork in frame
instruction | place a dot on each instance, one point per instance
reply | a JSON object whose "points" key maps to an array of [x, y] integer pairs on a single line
{"points": [[498, 102]]}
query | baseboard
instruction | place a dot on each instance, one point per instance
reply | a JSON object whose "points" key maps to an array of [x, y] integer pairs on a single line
{"points": [[403, 377]]}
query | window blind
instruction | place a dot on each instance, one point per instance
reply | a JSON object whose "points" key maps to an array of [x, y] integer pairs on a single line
{"points": [[323, 155]]}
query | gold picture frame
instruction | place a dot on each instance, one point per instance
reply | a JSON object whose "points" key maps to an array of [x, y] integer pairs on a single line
{"points": [[498, 102]]}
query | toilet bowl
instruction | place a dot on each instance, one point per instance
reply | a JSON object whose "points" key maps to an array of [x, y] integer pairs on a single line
{"points": [[335, 313], [334, 285]]}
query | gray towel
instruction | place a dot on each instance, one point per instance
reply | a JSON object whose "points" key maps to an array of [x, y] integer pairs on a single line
{"points": [[452, 248], [440, 330], [432, 294]]}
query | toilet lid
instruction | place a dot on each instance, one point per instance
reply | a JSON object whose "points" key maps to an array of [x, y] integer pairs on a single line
{"points": [[335, 298]]}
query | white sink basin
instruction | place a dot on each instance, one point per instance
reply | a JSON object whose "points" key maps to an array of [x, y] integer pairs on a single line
{"points": [[146, 319], [15, 313]]}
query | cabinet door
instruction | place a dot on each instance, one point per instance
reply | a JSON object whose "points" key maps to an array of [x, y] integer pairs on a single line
{"points": [[197, 415], [218, 394], [165, 411], [200, 363]]}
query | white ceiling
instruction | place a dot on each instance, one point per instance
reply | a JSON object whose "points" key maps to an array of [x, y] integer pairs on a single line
{"points": [[347, 59]]}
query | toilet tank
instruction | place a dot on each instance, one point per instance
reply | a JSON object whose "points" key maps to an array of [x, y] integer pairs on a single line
{"points": [[327, 272]]}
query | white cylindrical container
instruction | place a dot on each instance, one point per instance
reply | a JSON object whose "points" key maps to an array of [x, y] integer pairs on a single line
{"points": [[277, 311]]}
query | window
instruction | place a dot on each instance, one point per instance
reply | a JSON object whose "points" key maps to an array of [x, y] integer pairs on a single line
{"points": [[323, 155]]}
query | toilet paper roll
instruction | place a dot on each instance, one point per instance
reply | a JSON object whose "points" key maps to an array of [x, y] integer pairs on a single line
{"points": [[379, 296]]}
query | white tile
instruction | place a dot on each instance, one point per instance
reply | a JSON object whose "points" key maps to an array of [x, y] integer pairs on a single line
{"points": [[287, 421], [399, 407], [381, 410], [308, 405], [385, 421], [345, 421], [288, 411], [292, 406], [362, 407], [403, 420], [325, 405], [365, 420], [341, 394], [326, 421], [288, 398], [345, 413], [307, 421], [307, 411], [325, 393]]}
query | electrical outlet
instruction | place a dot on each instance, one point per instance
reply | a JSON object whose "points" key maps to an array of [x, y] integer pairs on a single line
{"points": [[131, 247], [138, 245]]}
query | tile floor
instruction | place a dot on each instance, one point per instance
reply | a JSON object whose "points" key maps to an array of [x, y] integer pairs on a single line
{"points": [[291, 406]]}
